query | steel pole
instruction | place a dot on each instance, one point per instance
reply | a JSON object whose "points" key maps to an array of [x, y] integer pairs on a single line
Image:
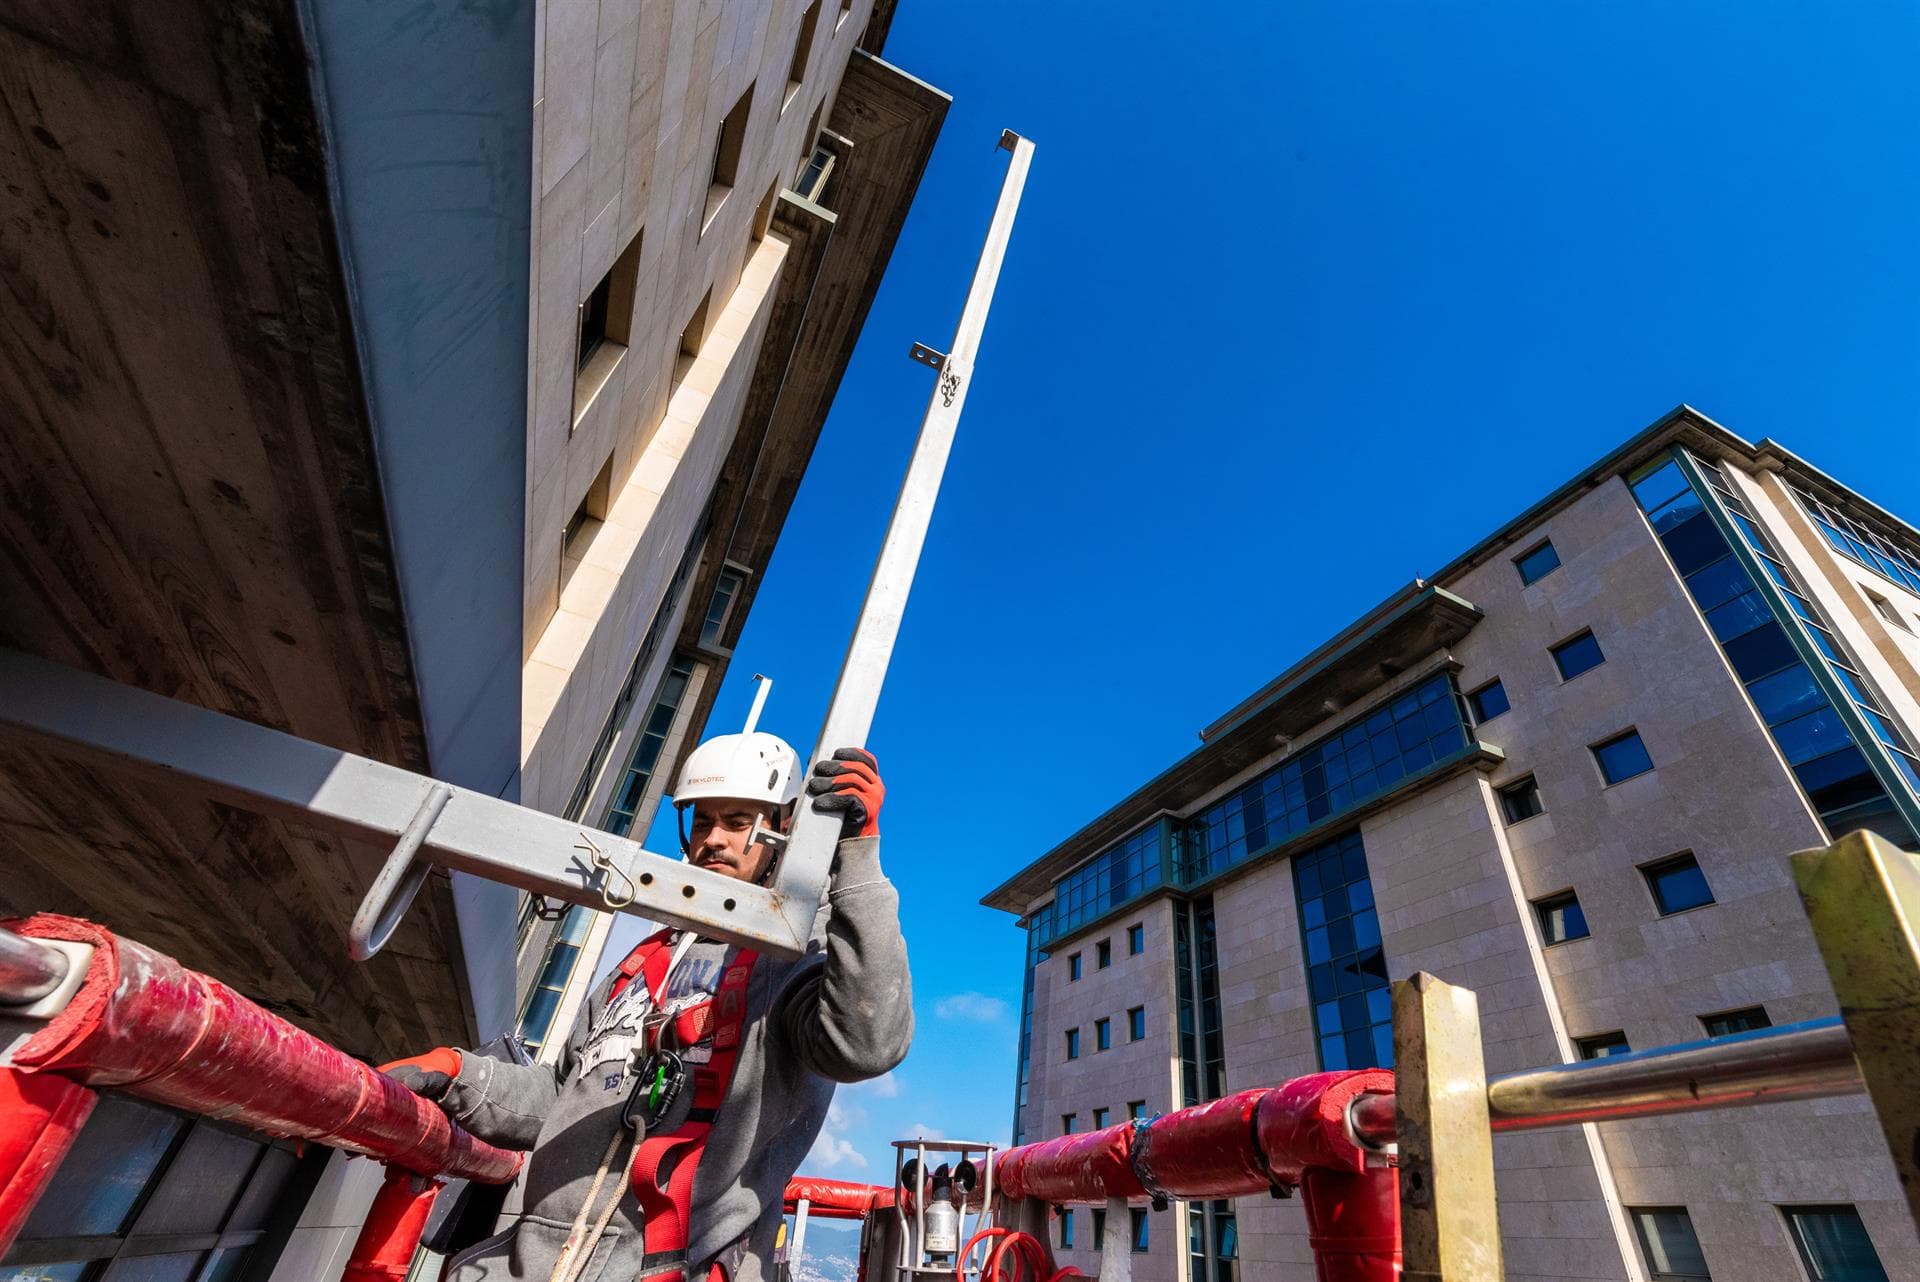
{"points": [[1798, 1061], [810, 846]]}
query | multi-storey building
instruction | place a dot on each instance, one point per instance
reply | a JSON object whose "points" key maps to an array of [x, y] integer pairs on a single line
{"points": [[430, 384], [1565, 772]]}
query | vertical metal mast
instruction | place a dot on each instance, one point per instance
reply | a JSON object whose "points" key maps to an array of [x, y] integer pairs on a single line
{"points": [[803, 868]]}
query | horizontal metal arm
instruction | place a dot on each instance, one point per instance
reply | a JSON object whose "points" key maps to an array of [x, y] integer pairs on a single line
{"points": [[55, 709], [1813, 1060]]}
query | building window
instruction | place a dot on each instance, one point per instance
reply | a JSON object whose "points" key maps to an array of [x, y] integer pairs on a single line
{"points": [[728, 144], [149, 1193], [1196, 968], [1561, 918], [802, 52], [631, 794], [1136, 940], [1346, 966], [1537, 563], [1488, 702], [1113, 878], [1073, 1043], [1102, 1034], [1136, 1109], [1895, 560], [1728, 1022], [693, 336], [1576, 655], [1139, 1228], [1099, 1228], [1520, 800], [1212, 1242], [603, 327], [1073, 968], [1602, 1045], [1365, 758], [1068, 1121], [1100, 1116], [1136, 1023], [811, 182], [584, 525], [1677, 884], [1833, 1244], [726, 590], [1887, 610], [1066, 1230], [1667, 1242], [1103, 954], [1622, 757], [543, 999]]}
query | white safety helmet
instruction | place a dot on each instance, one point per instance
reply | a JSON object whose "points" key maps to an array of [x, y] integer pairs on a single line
{"points": [[754, 766]]}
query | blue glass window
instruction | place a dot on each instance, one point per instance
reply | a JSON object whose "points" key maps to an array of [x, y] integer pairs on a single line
{"points": [[1576, 655], [1677, 884], [1136, 1023], [1602, 1045], [1833, 1244], [1069, 1122], [1729, 1022], [1488, 702], [1108, 881], [1066, 1230], [1561, 918], [1537, 563], [1139, 1229], [1346, 966], [1073, 1043], [1668, 1242], [1521, 800], [1102, 1034], [1073, 968], [1136, 940], [1622, 757]]}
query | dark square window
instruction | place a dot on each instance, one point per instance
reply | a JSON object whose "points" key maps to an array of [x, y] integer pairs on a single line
{"points": [[1066, 1230], [1073, 968], [1833, 1244], [1668, 1243], [1136, 940], [1100, 1116], [1139, 1228], [1537, 563], [1137, 1109], [1764, 650], [1069, 1121], [1488, 702], [1073, 1043], [1520, 800], [1728, 1022], [1136, 1023], [593, 322], [1677, 884], [1576, 655], [1103, 954], [1694, 543], [1622, 757], [1561, 918], [1102, 1034], [1099, 1229], [1602, 1045]]}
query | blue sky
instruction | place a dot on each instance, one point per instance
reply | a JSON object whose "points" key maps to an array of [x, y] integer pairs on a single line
{"points": [[1303, 300]]}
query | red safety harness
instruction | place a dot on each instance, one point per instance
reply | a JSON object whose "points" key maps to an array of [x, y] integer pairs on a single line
{"points": [[664, 1165]]}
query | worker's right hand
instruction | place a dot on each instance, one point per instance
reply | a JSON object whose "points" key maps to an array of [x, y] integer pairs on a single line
{"points": [[429, 1076]]}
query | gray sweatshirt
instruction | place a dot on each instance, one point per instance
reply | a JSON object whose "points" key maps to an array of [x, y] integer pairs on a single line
{"points": [[843, 1012]]}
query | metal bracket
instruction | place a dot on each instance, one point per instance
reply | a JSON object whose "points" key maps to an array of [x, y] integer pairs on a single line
{"points": [[928, 356]]}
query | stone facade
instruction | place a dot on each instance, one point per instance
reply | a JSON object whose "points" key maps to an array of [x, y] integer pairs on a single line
{"points": [[1455, 882]]}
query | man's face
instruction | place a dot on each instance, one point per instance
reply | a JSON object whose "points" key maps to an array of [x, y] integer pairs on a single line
{"points": [[718, 841]]}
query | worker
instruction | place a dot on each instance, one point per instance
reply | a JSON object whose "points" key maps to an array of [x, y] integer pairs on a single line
{"points": [[721, 1063]]}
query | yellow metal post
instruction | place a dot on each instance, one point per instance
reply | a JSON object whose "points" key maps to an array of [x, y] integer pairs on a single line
{"points": [[1449, 1226], [1862, 895]]}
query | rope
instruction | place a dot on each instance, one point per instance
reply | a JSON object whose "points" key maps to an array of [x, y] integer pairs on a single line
{"points": [[573, 1260], [1016, 1257]]}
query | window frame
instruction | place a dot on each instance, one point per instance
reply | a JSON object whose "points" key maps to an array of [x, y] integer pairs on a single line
{"points": [[1631, 732], [1069, 1123], [1547, 903], [1526, 785], [1137, 1229], [1136, 1109], [1646, 1255], [1103, 954], [1136, 939], [1558, 648], [1073, 968], [1102, 1118], [1136, 1023], [1814, 1271], [1766, 1021], [1648, 871], [1103, 1034], [1066, 1228], [1473, 697], [1073, 1044], [1544, 545], [1596, 1041]]}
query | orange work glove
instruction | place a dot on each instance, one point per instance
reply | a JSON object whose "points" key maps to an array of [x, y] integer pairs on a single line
{"points": [[429, 1076], [849, 785]]}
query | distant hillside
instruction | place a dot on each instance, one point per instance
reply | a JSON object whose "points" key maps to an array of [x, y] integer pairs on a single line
{"points": [[831, 1253]]}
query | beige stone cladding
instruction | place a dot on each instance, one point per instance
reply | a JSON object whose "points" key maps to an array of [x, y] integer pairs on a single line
{"points": [[1148, 1069], [632, 101], [1718, 789]]}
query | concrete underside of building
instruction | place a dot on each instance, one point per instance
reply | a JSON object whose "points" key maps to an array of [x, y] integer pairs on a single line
{"points": [[1384, 808]]}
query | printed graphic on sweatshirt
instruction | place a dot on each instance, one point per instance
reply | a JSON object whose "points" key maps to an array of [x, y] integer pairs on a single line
{"points": [[616, 1033]]}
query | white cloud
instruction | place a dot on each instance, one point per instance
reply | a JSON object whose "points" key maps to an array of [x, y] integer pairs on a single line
{"points": [[885, 1086], [921, 1131], [974, 1006], [833, 1148]]}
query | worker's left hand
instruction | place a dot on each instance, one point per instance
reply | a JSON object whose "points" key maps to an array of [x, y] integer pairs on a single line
{"points": [[848, 784]]}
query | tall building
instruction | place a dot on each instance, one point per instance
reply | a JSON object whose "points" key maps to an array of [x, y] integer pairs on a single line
{"points": [[1564, 772], [428, 384]]}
